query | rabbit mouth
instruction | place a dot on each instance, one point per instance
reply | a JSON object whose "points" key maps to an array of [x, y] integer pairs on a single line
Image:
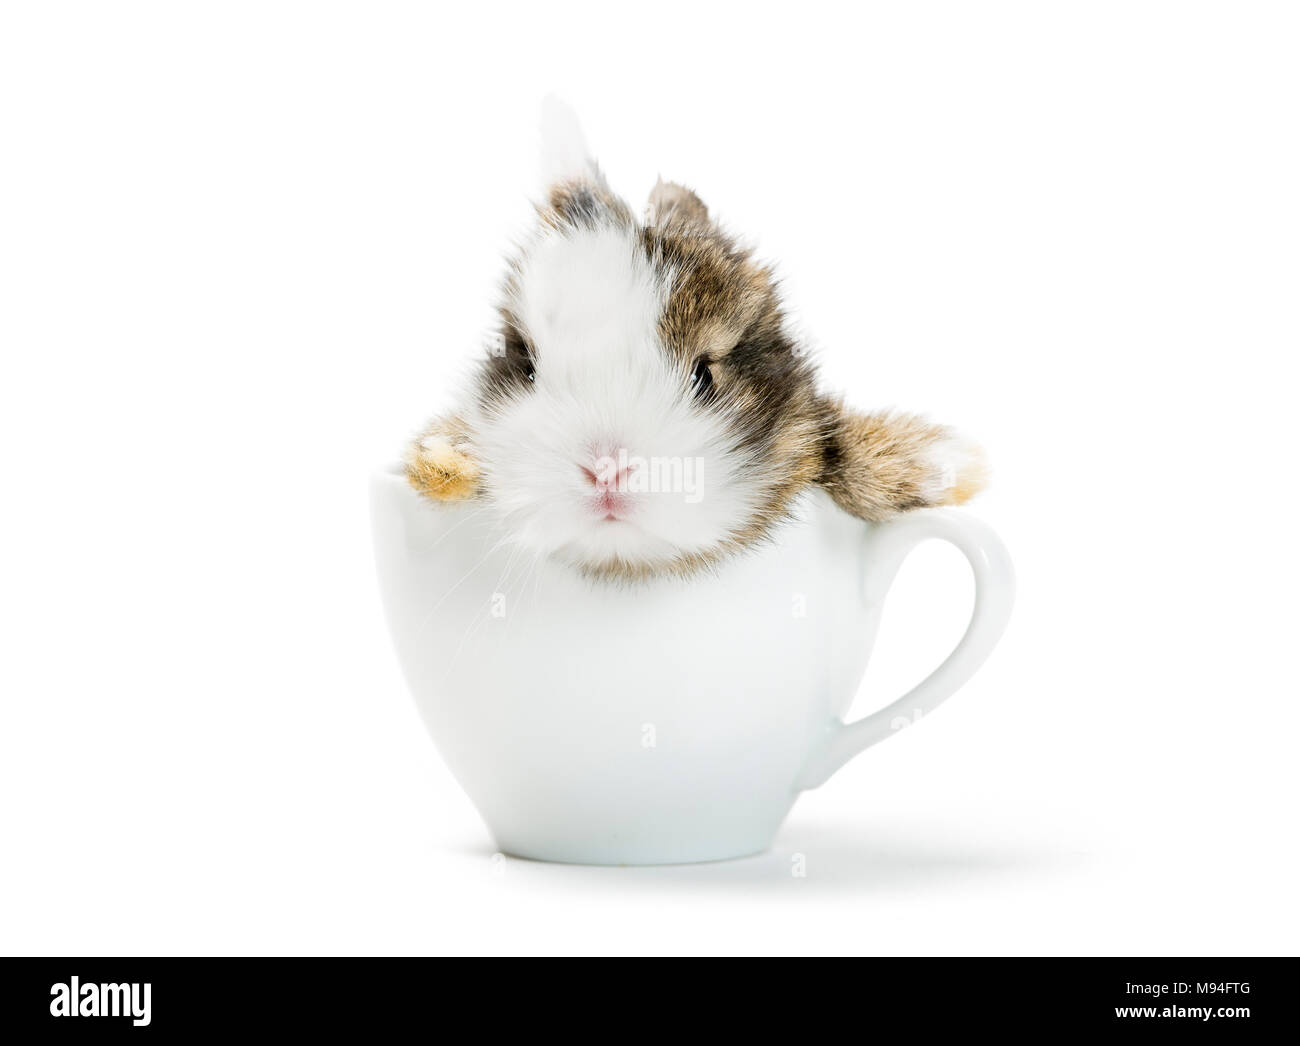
{"points": [[612, 507]]}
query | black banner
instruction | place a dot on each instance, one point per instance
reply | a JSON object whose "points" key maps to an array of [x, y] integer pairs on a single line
{"points": [[163, 997]]}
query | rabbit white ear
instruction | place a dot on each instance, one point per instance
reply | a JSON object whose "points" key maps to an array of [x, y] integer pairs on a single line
{"points": [[565, 156]]}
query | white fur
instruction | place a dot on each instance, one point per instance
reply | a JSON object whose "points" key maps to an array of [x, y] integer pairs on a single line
{"points": [[590, 302]]}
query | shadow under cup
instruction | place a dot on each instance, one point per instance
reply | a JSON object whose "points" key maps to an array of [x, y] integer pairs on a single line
{"points": [[666, 722]]}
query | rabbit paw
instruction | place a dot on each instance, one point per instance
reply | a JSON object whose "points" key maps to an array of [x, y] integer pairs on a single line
{"points": [[957, 471], [441, 470]]}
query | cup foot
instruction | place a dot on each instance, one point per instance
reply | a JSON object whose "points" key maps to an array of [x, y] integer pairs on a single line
{"points": [[626, 856]]}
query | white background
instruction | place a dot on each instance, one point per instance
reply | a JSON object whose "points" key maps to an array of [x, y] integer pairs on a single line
{"points": [[246, 248]]}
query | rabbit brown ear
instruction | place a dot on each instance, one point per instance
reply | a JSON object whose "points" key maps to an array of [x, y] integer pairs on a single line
{"points": [[673, 204]]}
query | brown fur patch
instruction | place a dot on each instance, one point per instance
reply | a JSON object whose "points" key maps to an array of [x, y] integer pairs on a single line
{"points": [[583, 202]]}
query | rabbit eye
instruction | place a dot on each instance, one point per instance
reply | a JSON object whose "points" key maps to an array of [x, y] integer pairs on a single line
{"points": [[702, 378], [520, 359]]}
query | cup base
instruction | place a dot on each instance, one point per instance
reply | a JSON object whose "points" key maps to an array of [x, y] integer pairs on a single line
{"points": [[632, 858], [628, 860]]}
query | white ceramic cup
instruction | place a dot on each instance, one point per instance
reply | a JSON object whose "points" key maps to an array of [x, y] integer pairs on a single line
{"points": [[666, 722]]}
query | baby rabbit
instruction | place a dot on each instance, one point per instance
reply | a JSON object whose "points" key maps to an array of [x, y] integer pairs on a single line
{"points": [[646, 409]]}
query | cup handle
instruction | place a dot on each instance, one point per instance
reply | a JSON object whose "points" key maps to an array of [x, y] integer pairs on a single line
{"points": [[888, 545]]}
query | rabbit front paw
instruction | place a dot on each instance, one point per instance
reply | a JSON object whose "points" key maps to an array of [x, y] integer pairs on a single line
{"points": [[441, 470]]}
